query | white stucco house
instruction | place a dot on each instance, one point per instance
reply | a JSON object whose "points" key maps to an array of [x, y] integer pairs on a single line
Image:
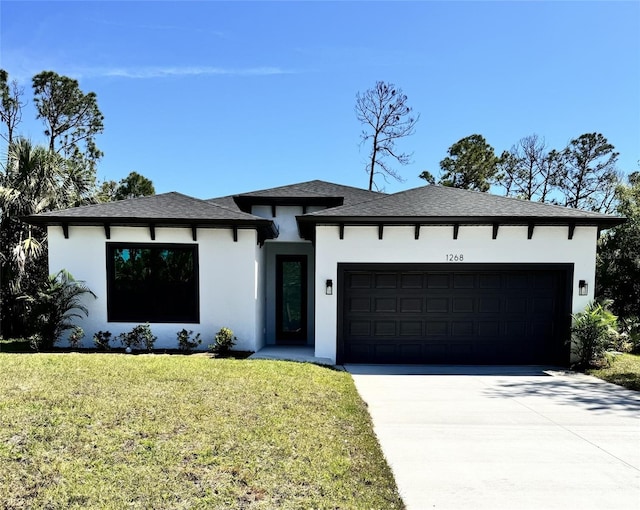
{"points": [[428, 275]]}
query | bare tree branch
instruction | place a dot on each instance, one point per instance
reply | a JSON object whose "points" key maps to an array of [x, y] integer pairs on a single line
{"points": [[384, 109]]}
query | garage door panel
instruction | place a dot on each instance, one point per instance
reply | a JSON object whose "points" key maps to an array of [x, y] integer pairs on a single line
{"points": [[385, 304], [386, 280], [463, 305], [412, 281], [515, 305], [516, 281], [459, 328], [496, 315], [543, 305], [411, 305], [489, 281], [437, 305], [515, 330], [437, 328], [437, 281], [411, 328], [489, 328], [359, 304], [489, 304], [384, 328], [359, 328], [464, 281]]}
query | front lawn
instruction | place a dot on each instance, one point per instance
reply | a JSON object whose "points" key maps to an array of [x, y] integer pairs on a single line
{"points": [[624, 370], [158, 431]]}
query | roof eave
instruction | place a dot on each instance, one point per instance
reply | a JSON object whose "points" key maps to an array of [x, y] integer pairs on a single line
{"points": [[266, 228], [307, 223]]}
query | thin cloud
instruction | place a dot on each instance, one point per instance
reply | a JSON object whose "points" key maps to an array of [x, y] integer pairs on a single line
{"points": [[167, 72]]}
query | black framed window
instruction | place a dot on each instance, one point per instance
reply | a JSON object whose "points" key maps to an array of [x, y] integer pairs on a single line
{"points": [[152, 283]]}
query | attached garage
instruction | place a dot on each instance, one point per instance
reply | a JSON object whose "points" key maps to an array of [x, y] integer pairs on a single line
{"points": [[462, 313]]}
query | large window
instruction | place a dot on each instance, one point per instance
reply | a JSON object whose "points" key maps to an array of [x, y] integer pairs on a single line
{"points": [[152, 282]]}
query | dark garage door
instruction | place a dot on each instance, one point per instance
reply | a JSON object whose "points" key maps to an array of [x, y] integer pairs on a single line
{"points": [[485, 314]]}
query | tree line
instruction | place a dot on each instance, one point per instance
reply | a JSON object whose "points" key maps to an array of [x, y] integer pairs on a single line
{"points": [[36, 178]]}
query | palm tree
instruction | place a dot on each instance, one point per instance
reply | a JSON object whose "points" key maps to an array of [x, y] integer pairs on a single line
{"points": [[54, 305], [34, 180]]}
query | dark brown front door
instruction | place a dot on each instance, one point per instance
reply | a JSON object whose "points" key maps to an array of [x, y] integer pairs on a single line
{"points": [[291, 298]]}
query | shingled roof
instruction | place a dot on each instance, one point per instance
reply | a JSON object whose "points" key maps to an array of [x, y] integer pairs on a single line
{"points": [[167, 209], [305, 193], [442, 205]]}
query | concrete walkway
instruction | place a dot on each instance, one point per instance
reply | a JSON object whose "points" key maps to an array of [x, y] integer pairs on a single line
{"points": [[290, 353], [505, 437]]}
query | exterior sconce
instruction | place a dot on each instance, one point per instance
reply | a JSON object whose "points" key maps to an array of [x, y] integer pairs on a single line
{"points": [[583, 288], [329, 288]]}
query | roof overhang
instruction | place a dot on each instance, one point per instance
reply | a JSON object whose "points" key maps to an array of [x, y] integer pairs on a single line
{"points": [[266, 228], [307, 223]]}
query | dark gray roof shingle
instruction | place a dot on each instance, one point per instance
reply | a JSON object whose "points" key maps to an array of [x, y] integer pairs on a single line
{"points": [[444, 202], [166, 206], [310, 190]]}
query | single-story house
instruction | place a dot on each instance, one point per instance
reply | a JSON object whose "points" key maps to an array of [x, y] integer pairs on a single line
{"points": [[428, 275]]}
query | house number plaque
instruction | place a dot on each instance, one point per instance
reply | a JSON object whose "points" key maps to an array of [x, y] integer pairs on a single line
{"points": [[454, 257]]}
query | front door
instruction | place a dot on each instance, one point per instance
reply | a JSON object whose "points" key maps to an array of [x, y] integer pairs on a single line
{"points": [[291, 298]]}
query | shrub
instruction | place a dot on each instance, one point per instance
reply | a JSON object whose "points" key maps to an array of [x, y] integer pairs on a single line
{"points": [[185, 343], [35, 341], [139, 337], [55, 303], [224, 341], [593, 332], [76, 336], [101, 339], [630, 329]]}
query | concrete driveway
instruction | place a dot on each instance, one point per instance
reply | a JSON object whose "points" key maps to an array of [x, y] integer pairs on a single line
{"points": [[505, 437]]}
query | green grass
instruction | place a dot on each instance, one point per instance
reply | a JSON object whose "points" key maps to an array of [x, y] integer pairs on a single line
{"points": [[624, 370], [158, 431]]}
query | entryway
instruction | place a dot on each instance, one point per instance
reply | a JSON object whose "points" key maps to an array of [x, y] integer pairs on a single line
{"points": [[288, 293]]}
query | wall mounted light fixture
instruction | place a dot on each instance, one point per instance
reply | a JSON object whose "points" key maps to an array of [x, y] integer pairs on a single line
{"points": [[329, 288], [583, 288]]}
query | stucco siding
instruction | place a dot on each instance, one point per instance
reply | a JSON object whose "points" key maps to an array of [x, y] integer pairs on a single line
{"points": [[229, 279], [475, 244]]}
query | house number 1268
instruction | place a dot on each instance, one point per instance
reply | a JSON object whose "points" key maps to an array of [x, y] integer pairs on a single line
{"points": [[454, 257]]}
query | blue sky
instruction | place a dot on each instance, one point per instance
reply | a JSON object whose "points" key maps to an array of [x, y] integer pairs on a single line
{"points": [[212, 98]]}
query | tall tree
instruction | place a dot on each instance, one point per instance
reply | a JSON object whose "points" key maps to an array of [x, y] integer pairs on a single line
{"points": [[618, 262], [134, 185], [471, 164], [10, 106], [387, 118], [587, 173], [72, 118], [526, 171], [33, 180]]}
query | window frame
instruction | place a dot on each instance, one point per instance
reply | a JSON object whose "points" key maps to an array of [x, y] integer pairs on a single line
{"points": [[113, 315]]}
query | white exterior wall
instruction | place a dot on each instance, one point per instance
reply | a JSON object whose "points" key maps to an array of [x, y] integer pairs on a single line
{"points": [[229, 272], [474, 243]]}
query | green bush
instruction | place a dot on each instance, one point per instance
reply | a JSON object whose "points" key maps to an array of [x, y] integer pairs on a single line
{"points": [[630, 333], [185, 343], [55, 303], [101, 339], [76, 336], [139, 337], [224, 341], [593, 332]]}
